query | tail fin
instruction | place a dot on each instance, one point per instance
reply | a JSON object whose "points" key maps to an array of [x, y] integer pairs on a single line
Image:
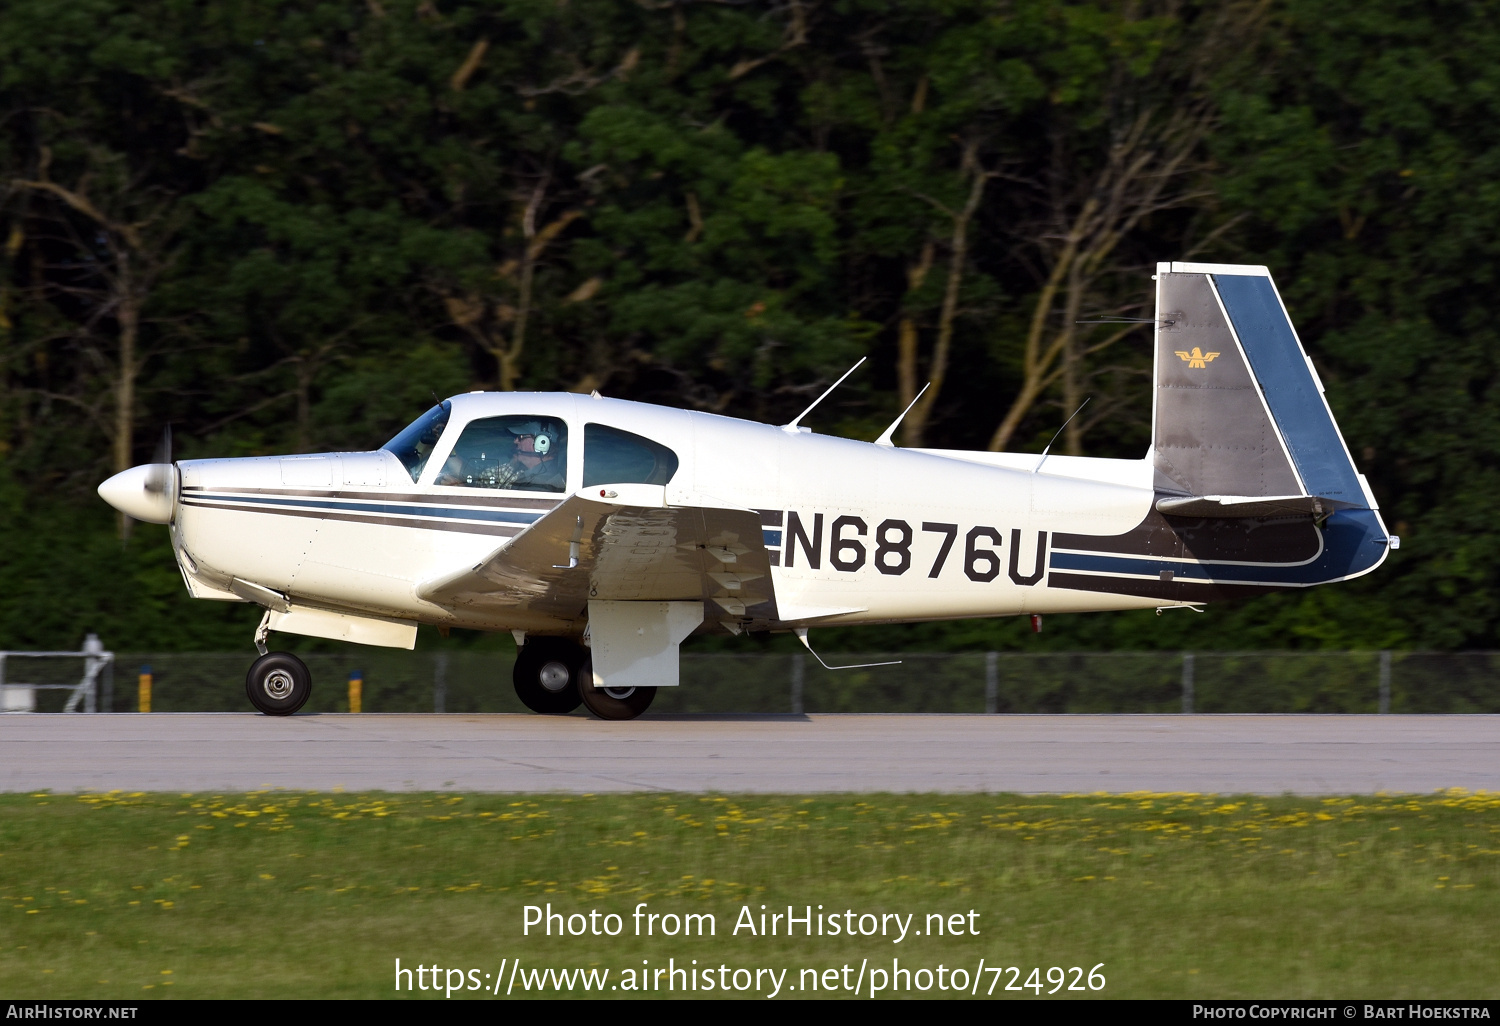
{"points": [[1240, 425]]}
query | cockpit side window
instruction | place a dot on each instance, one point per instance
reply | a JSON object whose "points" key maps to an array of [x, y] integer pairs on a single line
{"points": [[413, 445], [612, 456], [521, 453]]}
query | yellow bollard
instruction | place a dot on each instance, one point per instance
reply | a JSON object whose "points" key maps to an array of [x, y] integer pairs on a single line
{"points": [[143, 690], [356, 691]]}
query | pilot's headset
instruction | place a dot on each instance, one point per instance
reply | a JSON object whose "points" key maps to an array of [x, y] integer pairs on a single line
{"points": [[543, 437]]}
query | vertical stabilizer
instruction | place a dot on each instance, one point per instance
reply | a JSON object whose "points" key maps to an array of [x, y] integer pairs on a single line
{"points": [[1238, 408]]}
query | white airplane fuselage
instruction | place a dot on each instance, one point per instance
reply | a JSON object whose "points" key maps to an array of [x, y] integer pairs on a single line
{"points": [[353, 532]]}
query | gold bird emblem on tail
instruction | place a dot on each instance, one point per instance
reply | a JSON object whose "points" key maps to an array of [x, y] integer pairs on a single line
{"points": [[1197, 359]]}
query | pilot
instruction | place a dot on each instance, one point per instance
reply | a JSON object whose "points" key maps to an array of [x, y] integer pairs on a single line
{"points": [[533, 464]]}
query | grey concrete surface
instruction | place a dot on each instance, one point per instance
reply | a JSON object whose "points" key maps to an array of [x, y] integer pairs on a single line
{"points": [[1029, 754]]}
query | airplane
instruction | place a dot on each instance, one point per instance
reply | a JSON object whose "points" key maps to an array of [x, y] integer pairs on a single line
{"points": [[602, 533]]}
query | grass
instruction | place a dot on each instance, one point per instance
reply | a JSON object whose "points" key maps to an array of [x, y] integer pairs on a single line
{"points": [[283, 894]]}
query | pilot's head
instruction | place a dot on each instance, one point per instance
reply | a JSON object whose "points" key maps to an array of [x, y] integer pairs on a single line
{"points": [[534, 440]]}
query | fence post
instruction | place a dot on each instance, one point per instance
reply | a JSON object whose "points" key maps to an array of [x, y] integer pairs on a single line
{"points": [[798, 673], [356, 690], [991, 681], [1187, 682], [143, 690], [107, 702], [440, 683], [1385, 681]]}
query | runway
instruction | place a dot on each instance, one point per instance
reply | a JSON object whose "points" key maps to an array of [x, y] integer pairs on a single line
{"points": [[768, 754]]}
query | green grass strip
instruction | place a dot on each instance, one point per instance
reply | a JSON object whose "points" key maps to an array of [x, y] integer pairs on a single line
{"points": [[281, 894]]}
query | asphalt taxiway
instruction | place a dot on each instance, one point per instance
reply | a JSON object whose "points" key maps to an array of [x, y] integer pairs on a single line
{"points": [[789, 754]]}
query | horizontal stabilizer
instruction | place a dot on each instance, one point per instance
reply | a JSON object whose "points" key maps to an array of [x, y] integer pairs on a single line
{"points": [[1250, 506]]}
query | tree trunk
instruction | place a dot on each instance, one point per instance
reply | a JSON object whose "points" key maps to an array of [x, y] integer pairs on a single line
{"points": [[1072, 366], [510, 355], [906, 333], [915, 426], [1036, 362], [124, 428], [305, 371]]}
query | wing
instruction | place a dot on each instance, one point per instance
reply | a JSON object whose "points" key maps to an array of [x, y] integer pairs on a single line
{"points": [[626, 545]]}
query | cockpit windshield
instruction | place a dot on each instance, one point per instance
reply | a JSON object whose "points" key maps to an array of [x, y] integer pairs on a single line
{"points": [[413, 445]]}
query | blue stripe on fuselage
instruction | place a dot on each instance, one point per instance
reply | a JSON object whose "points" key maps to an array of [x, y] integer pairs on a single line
{"points": [[1352, 543], [470, 513]]}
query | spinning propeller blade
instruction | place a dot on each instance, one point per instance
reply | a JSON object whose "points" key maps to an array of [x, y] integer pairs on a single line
{"points": [[162, 474]]}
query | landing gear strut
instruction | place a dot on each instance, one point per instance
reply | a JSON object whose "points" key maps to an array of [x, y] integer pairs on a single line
{"points": [[547, 675]]}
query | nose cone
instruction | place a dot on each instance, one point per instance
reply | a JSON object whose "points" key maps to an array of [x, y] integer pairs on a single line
{"points": [[147, 492]]}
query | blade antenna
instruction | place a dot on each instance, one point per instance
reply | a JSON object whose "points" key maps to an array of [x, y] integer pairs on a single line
{"points": [[885, 436], [792, 427], [1059, 432], [801, 633]]}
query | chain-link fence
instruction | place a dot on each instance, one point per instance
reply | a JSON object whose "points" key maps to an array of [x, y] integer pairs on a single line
{"points": [[967, 682]]}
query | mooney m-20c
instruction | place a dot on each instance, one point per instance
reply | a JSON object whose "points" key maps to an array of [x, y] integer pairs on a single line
{"points": [[602, 533]]}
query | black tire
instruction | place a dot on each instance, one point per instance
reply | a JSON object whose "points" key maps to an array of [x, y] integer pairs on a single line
{"points": [[278, 684], [546, 675], [613, 703]]}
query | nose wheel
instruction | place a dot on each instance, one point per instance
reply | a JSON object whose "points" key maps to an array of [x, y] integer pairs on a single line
{"points": [[547, 675], [278, 684]]}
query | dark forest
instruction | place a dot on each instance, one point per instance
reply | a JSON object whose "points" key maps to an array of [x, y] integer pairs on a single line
{"points": [[284, 227]]}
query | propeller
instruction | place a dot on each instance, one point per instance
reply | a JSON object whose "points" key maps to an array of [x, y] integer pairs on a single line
{"points": [[162, 474], [147, 492]]}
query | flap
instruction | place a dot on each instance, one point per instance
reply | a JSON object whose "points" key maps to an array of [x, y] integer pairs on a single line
{"points": [[1212, 506], [597, 545]]}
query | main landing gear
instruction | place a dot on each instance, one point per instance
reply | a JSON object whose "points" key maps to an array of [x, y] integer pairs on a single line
{"points": [[547, 673], [554, 676]]}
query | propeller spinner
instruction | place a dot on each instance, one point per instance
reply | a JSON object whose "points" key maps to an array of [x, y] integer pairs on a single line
{"points": [[147, 492]]}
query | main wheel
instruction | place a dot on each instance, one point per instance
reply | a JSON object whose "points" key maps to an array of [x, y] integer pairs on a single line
{"points": [[278, 684], [613, 703], [546, 675]]}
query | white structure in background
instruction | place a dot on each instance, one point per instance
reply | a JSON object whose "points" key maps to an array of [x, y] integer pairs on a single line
{"points": [[20, 697]]}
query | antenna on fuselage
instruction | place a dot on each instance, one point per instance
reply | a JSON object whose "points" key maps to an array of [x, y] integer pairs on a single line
{"points": [[801, 633], [792, 427], [885, 436], [1059, 432]]}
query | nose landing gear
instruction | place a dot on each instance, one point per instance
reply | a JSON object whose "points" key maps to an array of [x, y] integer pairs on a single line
{"points": [[278, 684]]}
